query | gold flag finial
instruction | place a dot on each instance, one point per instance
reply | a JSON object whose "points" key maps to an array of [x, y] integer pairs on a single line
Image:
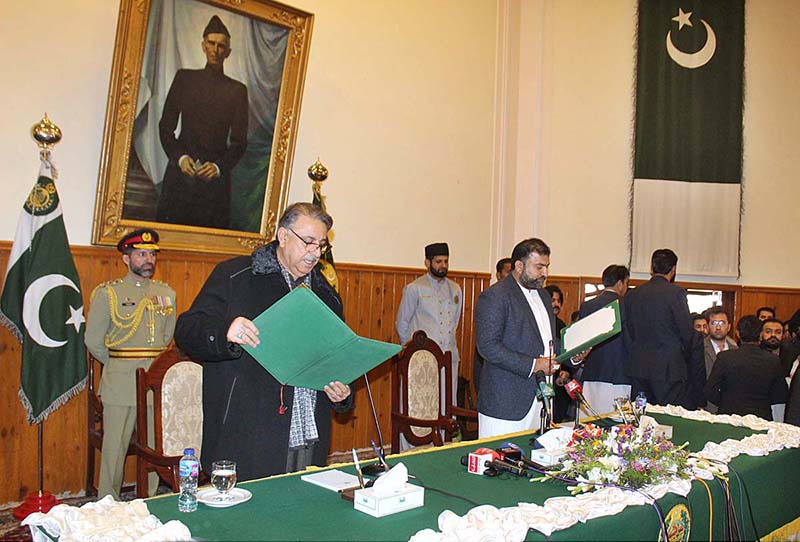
{"points": [[317, 172], [46, 133]]}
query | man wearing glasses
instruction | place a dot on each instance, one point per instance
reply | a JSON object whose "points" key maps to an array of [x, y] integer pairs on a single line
{"points": [[717, 340], [248, 416]]}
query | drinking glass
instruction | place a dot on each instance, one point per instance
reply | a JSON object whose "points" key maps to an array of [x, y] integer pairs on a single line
{"points": [[223, 478]]}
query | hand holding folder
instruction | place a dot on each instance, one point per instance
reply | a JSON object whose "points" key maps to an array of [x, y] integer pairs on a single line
{"points": [[305, 344]]}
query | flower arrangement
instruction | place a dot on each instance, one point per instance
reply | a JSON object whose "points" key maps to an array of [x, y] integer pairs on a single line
{"points": [[623, 455]]}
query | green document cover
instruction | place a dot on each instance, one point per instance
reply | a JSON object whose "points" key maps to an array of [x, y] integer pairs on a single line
{"points": [[304, 344], [587, 332]]}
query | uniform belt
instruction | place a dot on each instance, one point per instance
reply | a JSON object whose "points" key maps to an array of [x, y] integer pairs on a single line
{"points": [[134, 353]]}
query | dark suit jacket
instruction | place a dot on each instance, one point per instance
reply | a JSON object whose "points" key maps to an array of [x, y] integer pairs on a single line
{"points": [[789, 351], [213, 112], [747, 380], [508, 340], [658, 331], [608, 361], [792, 415]]}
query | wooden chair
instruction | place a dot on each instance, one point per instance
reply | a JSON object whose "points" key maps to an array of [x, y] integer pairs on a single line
{"points": [[418, 373], [95, 426], [176, 384]]}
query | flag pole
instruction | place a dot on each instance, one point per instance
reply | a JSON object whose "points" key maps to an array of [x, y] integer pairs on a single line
{"points": [[46, 135]]}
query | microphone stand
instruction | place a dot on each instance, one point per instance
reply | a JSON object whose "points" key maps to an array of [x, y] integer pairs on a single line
{"points": [[544, 418], [375, 469]]}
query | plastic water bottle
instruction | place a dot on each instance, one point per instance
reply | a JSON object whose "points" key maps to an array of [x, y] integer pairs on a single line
{"points": [[188, 471], [641, 403]]}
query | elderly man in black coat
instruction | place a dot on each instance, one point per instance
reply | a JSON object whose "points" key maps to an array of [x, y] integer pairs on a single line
{"points": [[248, 416]]}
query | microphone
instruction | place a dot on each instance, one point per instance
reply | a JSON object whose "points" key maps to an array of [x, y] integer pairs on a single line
{"points": [[478, 461], [575, 392], [478, 464], [512, 452], [543, 392]]}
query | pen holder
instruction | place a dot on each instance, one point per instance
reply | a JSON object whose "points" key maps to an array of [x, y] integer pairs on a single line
{"points": [[373, 469]]}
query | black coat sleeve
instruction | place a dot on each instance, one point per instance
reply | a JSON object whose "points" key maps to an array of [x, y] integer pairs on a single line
{"points": [[201, 331]]}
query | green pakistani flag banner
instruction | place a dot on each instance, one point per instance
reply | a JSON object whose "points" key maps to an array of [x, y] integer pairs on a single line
{"points": [[42, 305], [688, 134]]}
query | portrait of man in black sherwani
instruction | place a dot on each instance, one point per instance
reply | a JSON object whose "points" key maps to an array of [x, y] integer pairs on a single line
{"points": [[212, 109]]}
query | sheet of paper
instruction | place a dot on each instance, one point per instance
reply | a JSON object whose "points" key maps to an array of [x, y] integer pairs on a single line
{"points": [[335, 480], [304, 343]]}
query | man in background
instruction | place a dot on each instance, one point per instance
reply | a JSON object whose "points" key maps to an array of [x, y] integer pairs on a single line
{"points": [[605, 371], [213, 111], [699, 323], [658, 334], [558, 303], [771, 335], [433, 304], [502, 268], [717, 340], [765, 313], [131, 321], [747, 380]]}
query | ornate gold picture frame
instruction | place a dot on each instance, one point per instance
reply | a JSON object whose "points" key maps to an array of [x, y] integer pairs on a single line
{"points": [[174, 143]]}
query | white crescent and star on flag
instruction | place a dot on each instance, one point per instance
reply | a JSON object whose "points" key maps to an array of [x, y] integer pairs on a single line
{"points": [[32, 302], [699, 58]]}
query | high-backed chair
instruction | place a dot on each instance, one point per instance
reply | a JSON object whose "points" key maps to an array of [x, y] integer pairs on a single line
{"points": [[176, 384], [95, 425], [419, 372]]}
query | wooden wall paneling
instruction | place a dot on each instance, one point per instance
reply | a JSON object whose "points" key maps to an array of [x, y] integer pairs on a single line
{"points": [[785, 301]]}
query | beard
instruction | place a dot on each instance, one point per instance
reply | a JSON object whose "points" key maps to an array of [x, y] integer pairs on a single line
{"points": [[771, 344], [145, 270], [531, 283], [440, 273]]}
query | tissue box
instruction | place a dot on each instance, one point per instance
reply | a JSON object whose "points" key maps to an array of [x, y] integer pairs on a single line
{"points": [[548, 458], [405, 498]]}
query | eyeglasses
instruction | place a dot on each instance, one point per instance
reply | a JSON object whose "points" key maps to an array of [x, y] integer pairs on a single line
{"points": [[312, 245], [718, 322]]}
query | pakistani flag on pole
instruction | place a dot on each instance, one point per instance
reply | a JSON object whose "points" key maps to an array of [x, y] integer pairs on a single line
{"points": [[42, 305], [688, 135]]}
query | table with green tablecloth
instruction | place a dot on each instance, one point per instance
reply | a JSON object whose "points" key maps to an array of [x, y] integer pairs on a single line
{"points": [[286, 508]]}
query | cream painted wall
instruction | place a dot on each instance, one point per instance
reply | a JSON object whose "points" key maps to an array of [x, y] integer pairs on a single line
{"points": [[583, 136], [475, 121], [398, 103], [771, 145]]}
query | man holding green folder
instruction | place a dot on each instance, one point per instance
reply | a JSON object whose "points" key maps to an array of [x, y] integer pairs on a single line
{"points": [[248, 416]]}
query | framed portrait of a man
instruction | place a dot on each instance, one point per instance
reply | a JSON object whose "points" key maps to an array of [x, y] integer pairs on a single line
{"points": [[201, 121]]}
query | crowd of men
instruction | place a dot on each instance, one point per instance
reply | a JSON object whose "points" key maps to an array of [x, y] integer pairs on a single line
{"points": [[674, 357], [665, 353]]}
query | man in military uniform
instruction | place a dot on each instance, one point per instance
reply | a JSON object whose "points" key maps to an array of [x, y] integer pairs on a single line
{"points": [[131, 321]]}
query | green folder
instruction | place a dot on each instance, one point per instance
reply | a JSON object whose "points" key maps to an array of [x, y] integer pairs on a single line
{"points": [[304, 344], [590, 331]]}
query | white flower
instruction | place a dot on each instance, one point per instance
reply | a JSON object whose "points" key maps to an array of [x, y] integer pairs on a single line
{"points": [[610, 462]]}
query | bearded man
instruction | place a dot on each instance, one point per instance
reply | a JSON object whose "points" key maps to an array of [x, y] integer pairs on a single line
{"points": [[433, 303], [514, 328]]}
